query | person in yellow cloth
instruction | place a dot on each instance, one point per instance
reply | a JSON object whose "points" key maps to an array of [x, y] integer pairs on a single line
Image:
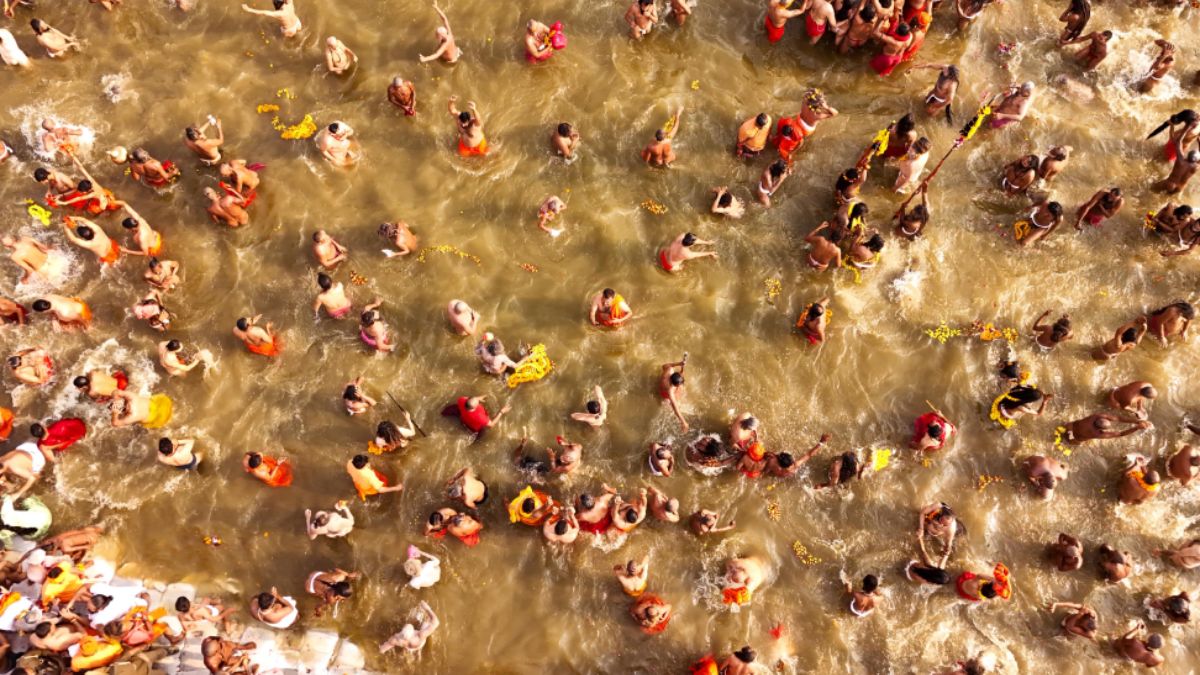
{"points": [[368, 481], [95, 652], [152, 412], [530, 507], [62, 583]]}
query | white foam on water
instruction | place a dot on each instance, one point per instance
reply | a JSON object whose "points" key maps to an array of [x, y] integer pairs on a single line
{"points": [[116, 87]]}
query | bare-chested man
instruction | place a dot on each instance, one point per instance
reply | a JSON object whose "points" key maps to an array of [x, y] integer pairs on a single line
{"points": [[680, 250], [29, 254], [1014, 105], [171, 358], [1159, 69], [659, 152], [471, 140], [55, 42], [402, 94], [447, 50], [226, 208], [328, 252], [208, 150], [642, 17], [284, 13], [337, 145], [1096, 50], [68, 313]]}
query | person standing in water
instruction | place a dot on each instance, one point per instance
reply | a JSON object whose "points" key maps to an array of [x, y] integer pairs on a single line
{"points": [[680, 250], [284, 13], [403, 94], [659, 152], [471, 140], [670, 388], [447, 50]]}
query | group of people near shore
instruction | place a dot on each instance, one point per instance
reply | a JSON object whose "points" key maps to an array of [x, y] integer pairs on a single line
{"points": [[59, 606]]}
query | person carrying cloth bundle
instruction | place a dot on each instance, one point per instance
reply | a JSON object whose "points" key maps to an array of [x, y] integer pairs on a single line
{"points": [[975, 588], [368, 481], [541, 41]]}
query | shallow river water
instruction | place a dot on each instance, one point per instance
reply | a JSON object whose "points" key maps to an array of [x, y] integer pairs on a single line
{"points": [[513, 604]]}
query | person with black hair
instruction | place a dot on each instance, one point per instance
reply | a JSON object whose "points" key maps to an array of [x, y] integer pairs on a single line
{"points": [[661, 459], [261, 340], [327, 250], [1172, 320], [1099, 426], [1114, 565], [161, 274], [335, 523], [561, 527], [331, 588], [54, 41], [472, 142], [565, 140], [785, 465], [1173, 609], [1144, 651], [178, 453], [1081, 622], [1047, 337], [367, 480], [659, 152], [725, 203], [171, 358], [284, 13], [825, 250], [208, 150], [355, 399], [1065, 553], [670, 388], [752, 135], [596, 409], [337, 144], [740, 662], [1096, 50], [273, 472], [275, 610], [814, 320], [862, 603], [1044, 473]]}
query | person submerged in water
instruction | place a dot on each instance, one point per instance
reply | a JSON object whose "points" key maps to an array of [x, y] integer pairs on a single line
{"points": [[412, 636], [1044, 474], [261, 340], [335, 523], [704, 522], [1047, 337], [1081, 622], [447, 49], [1065, 553], [471, 140], [862, 602], [273, 472], [1099, 426], [1184, 465], [1145, 651]]}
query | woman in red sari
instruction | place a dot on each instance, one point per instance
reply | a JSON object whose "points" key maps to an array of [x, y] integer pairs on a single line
{"points": [[59, 435]]}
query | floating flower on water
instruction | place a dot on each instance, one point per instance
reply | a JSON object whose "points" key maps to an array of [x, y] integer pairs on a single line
{"points": [[212, 540], [778, 631], [285, 93], [774, 288], [38, 212], [528, 267], [305, 129], [986, 479], [773, 511], [880, 458], [357, 279], [943, 332], [532, 368], [803, 555], [988, 332], [266, 108], [249, 53], [1059, 434], [695, 85], [654, 207], [446, 248]]}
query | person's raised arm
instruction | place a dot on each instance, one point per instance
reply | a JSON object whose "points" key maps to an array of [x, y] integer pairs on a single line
{"points": [[1037, 324]]}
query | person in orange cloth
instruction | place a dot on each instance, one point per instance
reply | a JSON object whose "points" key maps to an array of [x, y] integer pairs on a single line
{"points": [[6, 423], [67, 312], [609, 309], [62, 583], [258, 339], [471, 140], [88, 235], [652, 613], [273, 472], [368, 481]]}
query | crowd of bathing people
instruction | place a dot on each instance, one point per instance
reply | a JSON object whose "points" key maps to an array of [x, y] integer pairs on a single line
{"points": [[59, 608]]}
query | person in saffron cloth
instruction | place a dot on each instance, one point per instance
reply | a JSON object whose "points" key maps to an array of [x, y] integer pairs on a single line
{"points": [[367, 480], [975, 588], [651, 613], [609, 309], [932, 431], [541, 41], [743, 576], [894, 46], [530, 507], [595, 513], [471, 140], [60, 435], [273, 472], [258, 339], [6, 423]]}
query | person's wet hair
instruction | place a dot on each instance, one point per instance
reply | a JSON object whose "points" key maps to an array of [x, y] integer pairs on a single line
{"points": [[787, 130], [55, 572], [1129, 335], [85, 185], [785, 460], [676, 379], [815, 311], [1152, 477], [1055, 209], [192, 133], [183, 605], [1046, 482], [593, 407], [81, 382], [254, 460], [660, 135], [359, 461], [324, 281], [746, 654], [85, 233], [932, 575], [333, 127], [42, 629], [902, 30], [368, 317], [868, 12], [921, 145], [174, 346], [37, 431], [875, 243], [906, 124], [38, 26], [1177, 606], [388, 431], [464, 117], [1030, 162], [1061, 327], [14, 361], [1107, 34], [870, 583], [778, 167], [436, 518], [41, 175], [988, 590], [243, 323], [761, 119], [560, 527], [165, 446], [564, 129], [1186, 310], [859, 210], [1022, 395], [528, 505], [725, 200], [1088, 622], [688, 239], [630, 515], [342, 588], [587, 501], [1155, 641], [129, 224], [935, 431], [748, 423], [264, 600]]}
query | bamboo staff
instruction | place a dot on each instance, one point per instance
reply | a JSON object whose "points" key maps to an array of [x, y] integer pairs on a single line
{"points": [[964, 135]]}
